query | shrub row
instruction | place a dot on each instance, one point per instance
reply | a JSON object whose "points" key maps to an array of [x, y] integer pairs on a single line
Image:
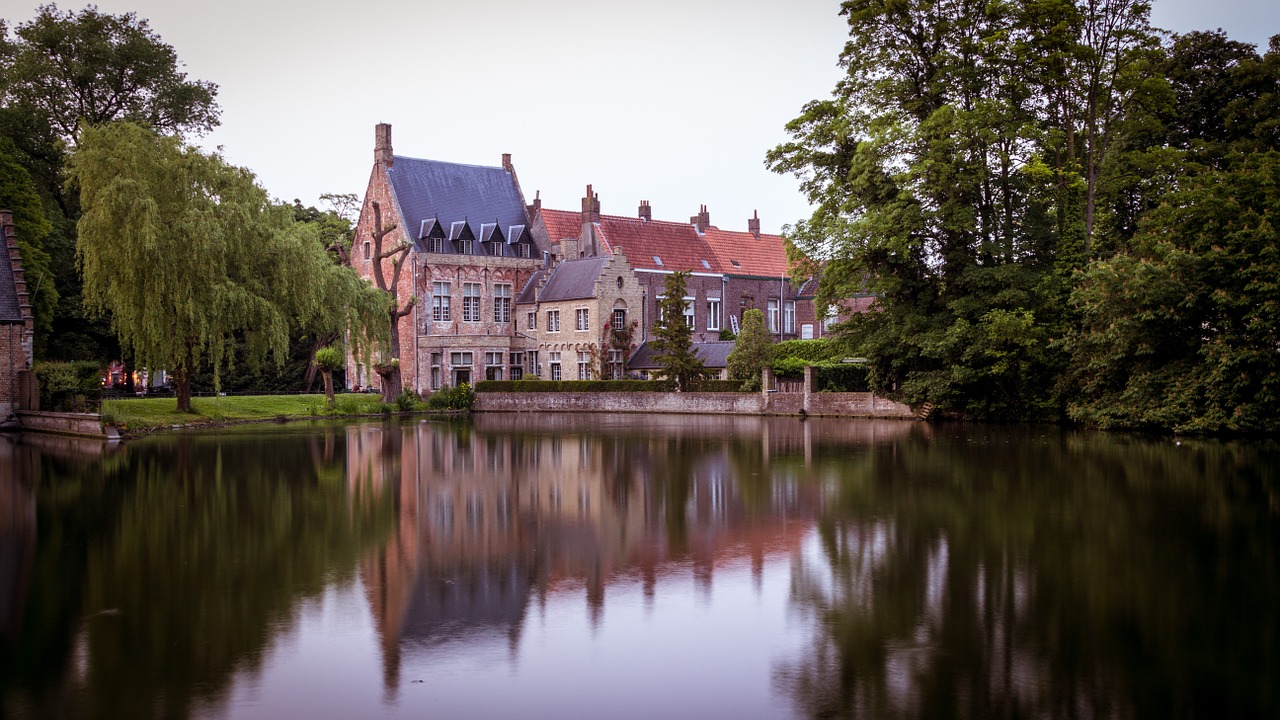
{"points": [[69, 386]]}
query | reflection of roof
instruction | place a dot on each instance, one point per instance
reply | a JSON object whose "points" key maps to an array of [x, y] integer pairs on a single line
{"points": [[428, 189], [712, 355], [765, 256], [573, 279], [466, 601], [659, 245]]}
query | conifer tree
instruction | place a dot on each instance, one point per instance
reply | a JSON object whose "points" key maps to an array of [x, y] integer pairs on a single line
{"points": [[677, 363]]}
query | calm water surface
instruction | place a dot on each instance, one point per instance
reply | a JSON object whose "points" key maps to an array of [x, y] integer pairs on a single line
{"points": [[595, 567]]}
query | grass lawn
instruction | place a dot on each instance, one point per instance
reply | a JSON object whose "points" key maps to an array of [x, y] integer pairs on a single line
{"points": [[142, 414]]}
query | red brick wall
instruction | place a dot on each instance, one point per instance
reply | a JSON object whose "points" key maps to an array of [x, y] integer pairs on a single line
{"points": [[13, 359]]}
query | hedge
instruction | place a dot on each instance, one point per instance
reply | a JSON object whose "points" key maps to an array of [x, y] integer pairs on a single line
{"points": [[70, 386], [527, 386]]}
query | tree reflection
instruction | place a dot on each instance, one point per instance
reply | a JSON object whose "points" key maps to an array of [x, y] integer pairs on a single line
{"points": [[1010, 576], [187, 556]]}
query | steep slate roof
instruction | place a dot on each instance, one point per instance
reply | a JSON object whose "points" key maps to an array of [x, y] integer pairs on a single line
{"points": [[561, 224], [10, 311], [573, 279], [712, 355], [766, 257], [677, 244], [427, 189], [529, 293]]}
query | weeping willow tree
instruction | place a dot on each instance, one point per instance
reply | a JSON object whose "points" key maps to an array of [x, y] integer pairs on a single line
{"points": [[193, 260]]}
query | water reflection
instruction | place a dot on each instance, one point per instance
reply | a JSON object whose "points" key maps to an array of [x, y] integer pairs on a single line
{"points": [[640, 567]]}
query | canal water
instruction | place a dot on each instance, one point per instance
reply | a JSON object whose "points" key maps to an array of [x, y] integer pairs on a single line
{"points": [[639, 567]]}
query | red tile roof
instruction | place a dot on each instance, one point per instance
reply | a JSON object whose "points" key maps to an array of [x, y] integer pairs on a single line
{"points": [[766, 256], [561, 224], [677, 245]]}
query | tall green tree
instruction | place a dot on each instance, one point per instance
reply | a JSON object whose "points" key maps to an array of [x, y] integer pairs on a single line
{"points": [[673, 338], [89, 68], [751, 350], [192, 259]]}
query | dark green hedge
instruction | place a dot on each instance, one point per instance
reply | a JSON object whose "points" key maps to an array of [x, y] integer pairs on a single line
{"points": [[843, 377], [526, 386], [70, 386]]}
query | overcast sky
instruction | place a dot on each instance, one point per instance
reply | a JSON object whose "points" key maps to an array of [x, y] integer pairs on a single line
{"points": [[671, 101]]}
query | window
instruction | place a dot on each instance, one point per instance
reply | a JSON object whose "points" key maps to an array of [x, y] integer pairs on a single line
{"points": [[662, 321], [502, 303], [495, 248], [493, 366], [789, 316], [532, 321], [437, 245], [368, 250], [440, 302], [584, 319], [461, 368], [619, 320], [615, 364], [435, 371], [713, 314], [773, 315], [517, 365], [458, 359], [534, 368], [584, 365], [553, 321], [465, 246], [524, 250], [471, 302], [555, 366], [688, 311]]}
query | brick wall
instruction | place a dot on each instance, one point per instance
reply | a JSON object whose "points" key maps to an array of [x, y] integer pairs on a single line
{"points": [[825, 404]]}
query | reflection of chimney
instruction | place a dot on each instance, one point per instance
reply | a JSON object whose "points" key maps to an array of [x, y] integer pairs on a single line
{"points": [[702, 220], [753, 224], [382, 145], [646, 212]]}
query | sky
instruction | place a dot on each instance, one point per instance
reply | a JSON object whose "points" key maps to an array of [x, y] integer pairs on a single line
{"points": [[674, 102]]}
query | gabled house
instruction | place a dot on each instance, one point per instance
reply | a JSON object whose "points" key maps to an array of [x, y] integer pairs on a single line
{"points": [[582, 314], [471, 252], [17, 324]]}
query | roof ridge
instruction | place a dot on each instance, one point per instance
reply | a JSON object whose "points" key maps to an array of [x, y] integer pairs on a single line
{"points": [[447, 162]]}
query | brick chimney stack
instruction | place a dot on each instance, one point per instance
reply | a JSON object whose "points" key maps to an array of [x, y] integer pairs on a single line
{"points": [[506, 162], [646, 212], [537, 203], [702, 220], [382, 145], [591, 207], [753, 224]]}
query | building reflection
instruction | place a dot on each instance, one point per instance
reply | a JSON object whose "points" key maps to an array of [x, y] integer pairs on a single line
{"points": [[496, 515]]}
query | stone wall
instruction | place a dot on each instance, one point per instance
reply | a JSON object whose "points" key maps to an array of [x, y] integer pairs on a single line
{"points": [[830, 404], [79, 424]]}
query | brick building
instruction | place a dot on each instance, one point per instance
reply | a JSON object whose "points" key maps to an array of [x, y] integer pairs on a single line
{"points": [[583, 315], [471, 252], [17, 324]]}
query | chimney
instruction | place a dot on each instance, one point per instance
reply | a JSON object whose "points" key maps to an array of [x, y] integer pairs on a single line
{"points": [[537, 203], [382, 145], [646, 212], [506, 162], [590, 207], [753, 224], [702, 220]]}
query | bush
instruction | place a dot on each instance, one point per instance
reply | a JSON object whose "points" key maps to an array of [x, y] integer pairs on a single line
{"points": [[70, 386], [461, 397], [841, 377], [407, 400], [815, 351]]}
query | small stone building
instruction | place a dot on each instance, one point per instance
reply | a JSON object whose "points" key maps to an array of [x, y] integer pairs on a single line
{"points": [[17, 324]]}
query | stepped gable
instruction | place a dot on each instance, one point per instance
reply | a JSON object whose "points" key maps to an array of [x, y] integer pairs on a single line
{"points": [[452, 192], [742, 253], [659, 245], [574, 280], [14, 307]]}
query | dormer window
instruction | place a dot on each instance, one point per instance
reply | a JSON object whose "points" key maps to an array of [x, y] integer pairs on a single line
{"points": [[436, 244], [495, 249], [465, 245]]}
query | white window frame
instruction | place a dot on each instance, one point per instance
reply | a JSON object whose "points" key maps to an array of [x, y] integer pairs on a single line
{"points": [[553, 366], [440, 302], [471, 302], [583, 319], [689, 313], [584, 365], [713, 313], [502, 303], [789, 316], [773, 315], [553, 321]]}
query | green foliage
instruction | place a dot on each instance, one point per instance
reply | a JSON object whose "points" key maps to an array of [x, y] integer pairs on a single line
{"points": [[193, 261], [18, 193], [91, 68], [461, 397], [69, 386], [407, 400], [752, 349], [847, 377], [329, 358], [1182, 332], [678, 366]]}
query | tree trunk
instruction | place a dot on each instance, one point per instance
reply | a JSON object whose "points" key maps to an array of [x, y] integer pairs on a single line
{"points": [[182, 389], [328, 387], [392, 384]]}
